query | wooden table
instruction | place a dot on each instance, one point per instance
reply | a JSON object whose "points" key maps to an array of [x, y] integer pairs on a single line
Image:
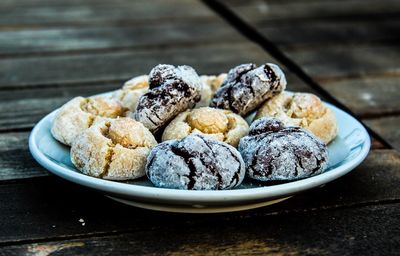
{"points": [[347, 52]]}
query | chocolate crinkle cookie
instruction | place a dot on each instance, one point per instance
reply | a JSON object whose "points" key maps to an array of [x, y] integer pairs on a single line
{"points": [[273, 152], [248, 86], [196, 163], [172, 91]]}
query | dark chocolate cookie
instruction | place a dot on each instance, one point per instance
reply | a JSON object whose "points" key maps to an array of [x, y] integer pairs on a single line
{"points": [[248, 86], [172, 91], [195, 162], [274, 152], [160, 73]]}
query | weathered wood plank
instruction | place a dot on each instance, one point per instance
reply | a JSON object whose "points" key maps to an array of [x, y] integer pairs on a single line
{"points": [[336, 58], [388, 128], [350, 52], [121, 65], [271, 10], [55, 206], [318, 33], [16, 162], [339, 232], [66, 39], [77, 13], [334, 62], [367, 96]]}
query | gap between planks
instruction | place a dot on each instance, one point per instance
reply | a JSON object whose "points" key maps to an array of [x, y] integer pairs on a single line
{"points": [[253, 35]]}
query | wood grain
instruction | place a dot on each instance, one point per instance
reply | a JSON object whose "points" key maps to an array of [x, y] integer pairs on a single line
{"points": [[121, 65], [319, 33], [367, 96], [112, 38], [283, 11], [16, 162], [352, 52], [324, 233], [55, 206], [388, 127], [88, 13]]}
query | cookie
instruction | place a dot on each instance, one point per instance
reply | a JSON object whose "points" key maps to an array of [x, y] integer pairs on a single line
{"points": [[273, 152], [302, 109], [131, 92], [247, 86], [80, 113], [172, 91], [219, 124], [116, 149], [210, 84], [196, 163]]}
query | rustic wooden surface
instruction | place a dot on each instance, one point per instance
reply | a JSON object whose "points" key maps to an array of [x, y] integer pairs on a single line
{"points": [[51, 51], [350, 48]]}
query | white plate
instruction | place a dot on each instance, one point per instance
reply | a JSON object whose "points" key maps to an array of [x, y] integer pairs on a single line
{"points": [[346, 152]]}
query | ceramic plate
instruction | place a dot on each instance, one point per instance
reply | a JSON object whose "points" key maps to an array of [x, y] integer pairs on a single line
{"points": [[346, 152]]}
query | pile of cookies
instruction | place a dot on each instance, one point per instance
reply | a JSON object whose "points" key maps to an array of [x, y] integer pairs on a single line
{"points": [[186, 131]]}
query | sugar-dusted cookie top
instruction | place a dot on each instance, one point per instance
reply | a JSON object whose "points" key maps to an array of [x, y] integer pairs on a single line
{"points": [[196, 163], [247, 86], [272, 151], [172, 91]]}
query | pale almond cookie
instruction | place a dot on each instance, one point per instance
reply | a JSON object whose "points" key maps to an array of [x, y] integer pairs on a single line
{"points": [[80, 113], [302, 109], [132, 90], [210, 85], [219, 124], [115, 149]]}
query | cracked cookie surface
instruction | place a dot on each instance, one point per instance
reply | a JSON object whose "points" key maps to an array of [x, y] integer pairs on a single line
{"points": [[196, 163], [80, 113], [114, 149], [219, 124], [273, 152], [302, 109], [247, 86], [172, 91]]}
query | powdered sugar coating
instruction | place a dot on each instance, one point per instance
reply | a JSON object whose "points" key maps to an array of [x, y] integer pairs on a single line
{"points": [[173, 90], [248, 86], [196, 163], [274, 152]]}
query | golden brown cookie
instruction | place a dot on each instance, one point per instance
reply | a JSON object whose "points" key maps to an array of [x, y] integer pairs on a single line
{"points": [[80, 113], [132, 90], [219, 124], [302, 109], [115, 149], [210, 85]]}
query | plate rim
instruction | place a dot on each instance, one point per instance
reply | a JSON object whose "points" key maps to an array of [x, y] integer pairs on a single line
{"points": [[197, 196]]}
